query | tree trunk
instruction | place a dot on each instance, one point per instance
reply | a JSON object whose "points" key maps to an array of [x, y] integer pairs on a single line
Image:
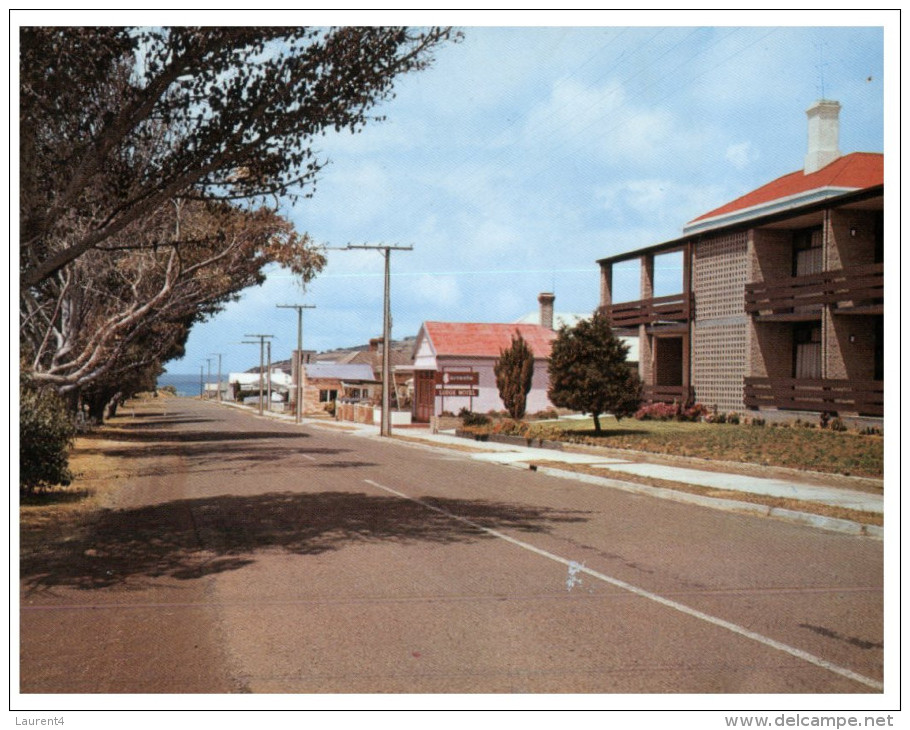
{"points": [[96, 408], [596, 417], [111, 409]]}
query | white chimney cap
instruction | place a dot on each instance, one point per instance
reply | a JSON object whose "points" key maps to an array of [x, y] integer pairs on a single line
{"points": [[824, 130]]}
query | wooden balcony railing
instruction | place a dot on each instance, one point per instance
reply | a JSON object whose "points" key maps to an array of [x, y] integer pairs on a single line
{"points": [[858, 285], [866, 398], [674, 308], [666, 394]]}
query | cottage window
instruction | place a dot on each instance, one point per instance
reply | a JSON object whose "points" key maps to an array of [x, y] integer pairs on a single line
{"points": [[328, 396]]}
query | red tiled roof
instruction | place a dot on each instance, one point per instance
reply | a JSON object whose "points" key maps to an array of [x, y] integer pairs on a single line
{"points": [[856, 171], [469, 339]]}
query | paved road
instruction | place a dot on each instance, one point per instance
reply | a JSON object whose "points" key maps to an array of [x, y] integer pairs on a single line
{"points": [[256, 556]]}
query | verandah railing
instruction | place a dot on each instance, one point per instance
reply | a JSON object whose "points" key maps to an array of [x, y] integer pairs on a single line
{"points": [[866, 398], [856, 284], [666, 394], [673, 308]]}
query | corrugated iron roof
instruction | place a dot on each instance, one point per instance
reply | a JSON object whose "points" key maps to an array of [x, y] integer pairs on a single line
{"points": [[339, 371], [471, 339]]}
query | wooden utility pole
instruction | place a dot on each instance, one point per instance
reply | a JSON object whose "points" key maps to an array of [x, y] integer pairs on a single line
{"points": [[299, 385], [218, 396], [262, 339], [385, 428]]}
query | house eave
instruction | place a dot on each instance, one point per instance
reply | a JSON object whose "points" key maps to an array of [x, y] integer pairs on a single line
{"points": [[779, 205]]}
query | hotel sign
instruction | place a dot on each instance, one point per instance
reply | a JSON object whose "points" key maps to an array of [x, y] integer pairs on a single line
{"points": [[457, 384]]}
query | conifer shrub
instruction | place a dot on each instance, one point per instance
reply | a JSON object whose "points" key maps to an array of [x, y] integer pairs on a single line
{"points": [[514, 372]]}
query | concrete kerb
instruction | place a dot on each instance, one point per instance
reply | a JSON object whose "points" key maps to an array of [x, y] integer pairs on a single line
{"points": [[831, 524]]}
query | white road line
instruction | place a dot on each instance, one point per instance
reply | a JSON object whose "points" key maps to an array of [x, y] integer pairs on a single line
{"points": [[714, 620]]}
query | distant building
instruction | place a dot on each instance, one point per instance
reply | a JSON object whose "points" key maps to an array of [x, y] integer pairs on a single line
{"points": [[781, 305], [367, 355], [326, 382], [245, 386]]}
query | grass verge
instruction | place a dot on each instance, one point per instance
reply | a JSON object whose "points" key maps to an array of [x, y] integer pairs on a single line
{"points": [[64, 513], [797, 505], [794, 447]]}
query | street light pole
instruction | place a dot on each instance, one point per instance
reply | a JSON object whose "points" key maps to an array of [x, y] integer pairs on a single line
{"points": [[385, 428], [299, 308]]}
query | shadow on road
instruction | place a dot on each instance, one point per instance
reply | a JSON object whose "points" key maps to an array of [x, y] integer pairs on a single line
{"points": [[201, 449], [188, 539], [149, 420], [120, 434]]}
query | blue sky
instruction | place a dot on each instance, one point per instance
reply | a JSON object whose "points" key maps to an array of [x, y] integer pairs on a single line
{"points": [[524, 154]]}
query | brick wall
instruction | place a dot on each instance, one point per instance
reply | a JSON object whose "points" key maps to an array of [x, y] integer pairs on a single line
{"points": [[845, 250], [770, 254]]}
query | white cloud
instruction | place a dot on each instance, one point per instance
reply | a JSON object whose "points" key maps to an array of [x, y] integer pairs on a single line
{"points": [[642, 196], [600, 119], [740, 155], [440, 290], [653, 203]]}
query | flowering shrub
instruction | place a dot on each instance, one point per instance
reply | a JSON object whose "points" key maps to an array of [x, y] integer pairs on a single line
{"points": [[657, 412], [670, 412]]}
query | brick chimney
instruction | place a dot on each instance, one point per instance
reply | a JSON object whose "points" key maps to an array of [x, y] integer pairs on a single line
{"points": [[824, 130], [546, 309]]}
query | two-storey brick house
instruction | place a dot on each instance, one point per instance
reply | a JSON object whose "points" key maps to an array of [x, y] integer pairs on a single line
{"points": [[781, 305]]}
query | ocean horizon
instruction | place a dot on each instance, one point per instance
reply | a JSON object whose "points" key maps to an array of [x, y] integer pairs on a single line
{"points": [[187, 384]]}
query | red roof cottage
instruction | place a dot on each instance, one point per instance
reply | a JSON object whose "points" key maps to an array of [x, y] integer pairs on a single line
{"points": [[453, 365], [781, 305]]}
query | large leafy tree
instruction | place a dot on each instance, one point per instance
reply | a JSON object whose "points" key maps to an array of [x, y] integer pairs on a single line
{"points": [[116, 122], [110, 314], [588, 371], [514, 371]]}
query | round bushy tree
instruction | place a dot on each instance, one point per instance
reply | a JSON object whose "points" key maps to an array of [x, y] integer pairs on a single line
{"points": [[46, 433], [589, 373], [514, 371]]}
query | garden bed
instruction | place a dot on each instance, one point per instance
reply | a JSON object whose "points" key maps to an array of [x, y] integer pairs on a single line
{"points": [[799, 445], [497, 438]]}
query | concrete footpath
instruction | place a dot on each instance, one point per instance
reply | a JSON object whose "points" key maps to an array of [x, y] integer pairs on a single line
{"points": [[525, 457]]}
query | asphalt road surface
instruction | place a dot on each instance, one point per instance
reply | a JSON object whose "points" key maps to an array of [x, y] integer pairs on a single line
{"points": [[250, 555]]}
